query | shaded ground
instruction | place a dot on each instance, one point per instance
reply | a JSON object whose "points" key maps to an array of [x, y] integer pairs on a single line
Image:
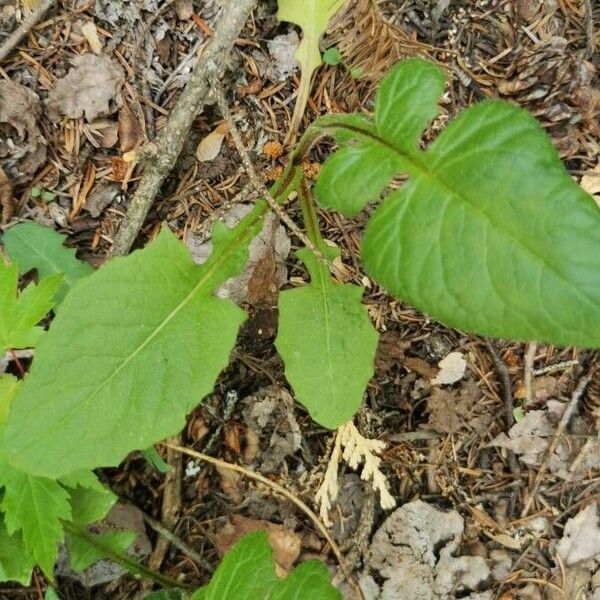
{"points": [[439, 438]]}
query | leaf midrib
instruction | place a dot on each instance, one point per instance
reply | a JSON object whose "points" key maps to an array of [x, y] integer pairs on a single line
{"points": [[421, 169]]}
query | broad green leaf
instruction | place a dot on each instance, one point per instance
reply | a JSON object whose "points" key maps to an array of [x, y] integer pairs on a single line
{"points": [[34, 506], [19, 314], [16, 563], [327, 343], [248, 571], [33, 246], [83, 554], [51, 594], [312, 16], [490, 234], [135, 346]]}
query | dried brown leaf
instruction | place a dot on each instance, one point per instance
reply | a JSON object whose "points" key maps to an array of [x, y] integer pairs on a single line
{"points": [[285, 543], [90, 32], [130, 128], [88, 88], [23, 154], [230, 482], [210, 145]]}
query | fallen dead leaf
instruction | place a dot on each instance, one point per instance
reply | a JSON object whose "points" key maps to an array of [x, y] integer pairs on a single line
{"points": [[184, 9], [130, 129], [21, 155], [87, 89], [285, 543], [451, 369], [450, 411], [210, 145], [282, 49], [581, 536], [106, 132], [420, 367], [101, 197]]}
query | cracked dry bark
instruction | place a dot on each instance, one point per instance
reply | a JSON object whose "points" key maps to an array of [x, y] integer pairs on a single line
{"points": [[163, 152]]}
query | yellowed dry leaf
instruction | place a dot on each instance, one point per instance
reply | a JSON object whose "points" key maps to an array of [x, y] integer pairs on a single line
{"points": [[89, 31], [210, 146]]}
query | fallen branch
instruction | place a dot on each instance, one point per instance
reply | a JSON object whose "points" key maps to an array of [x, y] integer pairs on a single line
{"points": [[170, 140], [28, 23]]}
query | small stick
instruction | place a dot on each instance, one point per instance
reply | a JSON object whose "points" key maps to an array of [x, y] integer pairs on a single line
{"points": [[564, 421], [259, 186], [283, 492], [170, 140], [507, 394], [178, 543], [589, 28], [28, 23], [528, 372]]}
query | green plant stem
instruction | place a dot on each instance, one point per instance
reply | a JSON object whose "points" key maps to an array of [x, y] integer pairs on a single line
{"points": [[129, 563], [309, 216]]}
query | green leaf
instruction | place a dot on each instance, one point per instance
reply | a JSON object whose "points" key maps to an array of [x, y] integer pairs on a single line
{"points": [[327, 343], [135, 346], [490, 234], [51, 594], [312, 16], [90, 500], [19, 314], [83, 554], [16, 563], [155, 459], [33, 246], [247, 571], [35, 507]]}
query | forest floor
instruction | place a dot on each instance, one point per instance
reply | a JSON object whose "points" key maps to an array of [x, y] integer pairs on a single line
{"points": [[485, 457]]}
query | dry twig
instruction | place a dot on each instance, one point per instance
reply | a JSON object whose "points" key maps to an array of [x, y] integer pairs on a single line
{"points": [[258, 185], [171, 138], [24, 28]]}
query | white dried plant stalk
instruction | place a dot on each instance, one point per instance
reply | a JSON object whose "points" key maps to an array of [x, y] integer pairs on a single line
{"points": [[357, 450]]}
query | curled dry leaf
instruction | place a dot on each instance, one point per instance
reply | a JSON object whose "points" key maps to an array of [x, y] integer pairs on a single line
{"points": [[285, 543], [230, 482], [210, 145], [23, 154], [87, 89]]}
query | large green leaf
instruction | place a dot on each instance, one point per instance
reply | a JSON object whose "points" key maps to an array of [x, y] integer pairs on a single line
{"points": [[327, 343], [490, 234], [19, 314], [247, 571], [135, 346], [33, 246]]}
